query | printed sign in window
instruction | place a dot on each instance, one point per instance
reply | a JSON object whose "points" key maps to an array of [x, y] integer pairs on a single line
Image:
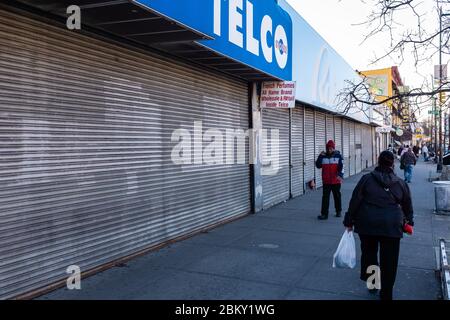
{"points": [[278, 95]]}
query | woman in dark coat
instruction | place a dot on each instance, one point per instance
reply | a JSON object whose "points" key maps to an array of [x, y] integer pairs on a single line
{"points": [[380, 206]]}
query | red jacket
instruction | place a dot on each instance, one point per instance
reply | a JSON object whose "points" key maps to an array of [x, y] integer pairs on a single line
{"points": [[332, 166]]}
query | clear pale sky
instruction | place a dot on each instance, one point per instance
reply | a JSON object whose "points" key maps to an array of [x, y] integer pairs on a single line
{"points": [[336, 21]]}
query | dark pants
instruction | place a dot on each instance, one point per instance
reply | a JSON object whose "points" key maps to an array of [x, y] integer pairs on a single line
{"points": [[327, 189], [389, 252]]}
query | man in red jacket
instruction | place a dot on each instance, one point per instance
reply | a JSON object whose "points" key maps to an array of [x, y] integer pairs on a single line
{"points": [[332, 165]]}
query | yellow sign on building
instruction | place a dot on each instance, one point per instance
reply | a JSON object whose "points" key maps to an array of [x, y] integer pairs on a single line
{"points": [[380, 83]]}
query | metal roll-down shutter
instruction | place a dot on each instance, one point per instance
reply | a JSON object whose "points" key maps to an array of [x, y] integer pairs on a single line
{"points": [[352, 149], [338, 134], [320, 143], [297, 144], [346, 147], [87, 133], [276, 180], [309, 145], [375, 145], [367, 147], [358, 147], [330, 128]]}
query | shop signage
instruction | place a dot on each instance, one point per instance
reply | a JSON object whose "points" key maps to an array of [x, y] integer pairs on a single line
{"points": [[321, 74], [278, 95], [254, 32], [196, 15], [385, 129], [399, 132], [378, 85]]}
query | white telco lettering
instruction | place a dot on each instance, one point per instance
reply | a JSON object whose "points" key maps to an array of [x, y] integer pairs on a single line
{"points": [[282, 58], [235, 20], [266, 26], [217, 20], [270, 39], [252, 43]]}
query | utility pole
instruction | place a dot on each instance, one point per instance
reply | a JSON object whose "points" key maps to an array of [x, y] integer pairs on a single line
{"points": [[433, 116], [435, 127], [439, 166]]}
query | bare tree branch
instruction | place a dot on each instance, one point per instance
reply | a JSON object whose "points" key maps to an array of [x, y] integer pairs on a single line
{"points": [[414, 40]]}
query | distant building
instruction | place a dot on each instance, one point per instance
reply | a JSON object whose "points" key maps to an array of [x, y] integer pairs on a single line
{"points": [[386, 83]]}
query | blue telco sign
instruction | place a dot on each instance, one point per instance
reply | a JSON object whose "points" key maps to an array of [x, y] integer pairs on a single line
{"points": [[254, 32], [193, 14], [257, 33]]}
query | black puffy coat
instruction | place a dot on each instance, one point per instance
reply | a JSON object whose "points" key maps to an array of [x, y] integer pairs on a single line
{"points": [[373, 210], [408, 158]]}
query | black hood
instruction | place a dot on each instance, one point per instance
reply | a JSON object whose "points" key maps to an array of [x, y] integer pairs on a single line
{"points": [[386, 177]]}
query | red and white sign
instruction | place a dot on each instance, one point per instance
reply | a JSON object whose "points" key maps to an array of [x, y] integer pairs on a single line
{"points": [[278, 95]]}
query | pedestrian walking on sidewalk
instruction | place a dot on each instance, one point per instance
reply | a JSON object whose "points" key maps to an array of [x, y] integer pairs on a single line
{"points": [[379, 211], [390, 148], [416, 151], [408, 161], [332, 165], [399, 152], [405, 149], [425, 152]]}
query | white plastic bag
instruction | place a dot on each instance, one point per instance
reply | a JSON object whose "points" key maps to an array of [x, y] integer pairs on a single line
{"points": [[345, 255]]}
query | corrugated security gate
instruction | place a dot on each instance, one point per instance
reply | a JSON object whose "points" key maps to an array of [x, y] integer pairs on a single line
{"points": [[383, 142], [358, 147], [378, 137], [367, 147], [89, 136], [346, 144], [309, 145], [320, 136], [276, 180], [352, 149], [338, 134], [297, 121], [330, 128], [375, 146]]}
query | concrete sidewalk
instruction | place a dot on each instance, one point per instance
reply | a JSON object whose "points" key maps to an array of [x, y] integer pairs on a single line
{"points": [[282, 253]]}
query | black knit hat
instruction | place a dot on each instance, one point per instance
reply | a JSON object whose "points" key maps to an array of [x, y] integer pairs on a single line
{"points": [[386, 159]]}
